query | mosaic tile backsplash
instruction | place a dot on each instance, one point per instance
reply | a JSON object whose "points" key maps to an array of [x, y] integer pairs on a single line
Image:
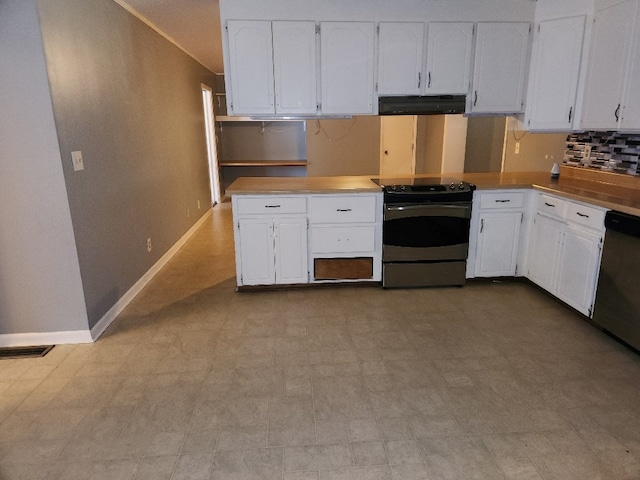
{"points": [[609, 151]]}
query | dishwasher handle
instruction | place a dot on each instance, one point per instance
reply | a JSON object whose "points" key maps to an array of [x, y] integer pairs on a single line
{"points": [[623, 223]]}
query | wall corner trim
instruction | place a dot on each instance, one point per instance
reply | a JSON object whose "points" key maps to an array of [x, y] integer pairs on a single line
{"points": [[106, 320]]}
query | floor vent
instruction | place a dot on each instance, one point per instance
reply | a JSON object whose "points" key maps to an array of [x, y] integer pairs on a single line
{"points": [[24, 352]]}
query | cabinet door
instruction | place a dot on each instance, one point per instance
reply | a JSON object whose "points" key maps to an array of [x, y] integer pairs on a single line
{"points": [[500, 67], [257, 251], [400, 47], [449, 48], [543, 259], [631, 112], [497, 251], [294, 58], [250, 67], [291, 250], [578, 268], [555, 71], [347, 52], [609, 55]]}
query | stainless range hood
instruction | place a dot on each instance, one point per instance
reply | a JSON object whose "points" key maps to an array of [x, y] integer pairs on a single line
{"points": [[421, 105]]}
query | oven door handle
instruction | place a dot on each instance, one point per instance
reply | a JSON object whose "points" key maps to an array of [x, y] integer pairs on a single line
{"points": [[394, 212]]}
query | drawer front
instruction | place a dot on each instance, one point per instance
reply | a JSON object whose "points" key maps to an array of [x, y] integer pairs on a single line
{"points": [[343, 239], [551, 205], [490, 200], [343, 209], [585, 215], [271, 205]]}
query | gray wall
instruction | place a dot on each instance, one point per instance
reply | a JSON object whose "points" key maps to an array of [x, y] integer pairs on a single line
{"points": [[131, 102], [40, 285]]}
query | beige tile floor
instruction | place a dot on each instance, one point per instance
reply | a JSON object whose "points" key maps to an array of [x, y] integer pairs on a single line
{"points": [[194, 381]]}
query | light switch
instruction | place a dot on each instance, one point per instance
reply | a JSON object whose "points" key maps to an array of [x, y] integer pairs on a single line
{"points": [[76, 158]]}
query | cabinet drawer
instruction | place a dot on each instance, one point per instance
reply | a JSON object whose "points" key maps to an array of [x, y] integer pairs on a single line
{"points": [[271, 205], [343, 239], [343, 209], [585, 215], [501, 200], [551, 205]]}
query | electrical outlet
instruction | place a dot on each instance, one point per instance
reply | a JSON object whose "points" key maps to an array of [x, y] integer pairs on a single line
{"points": [[149, 245], [517, 148], [188, 213], [198, 204], [76, 159]]}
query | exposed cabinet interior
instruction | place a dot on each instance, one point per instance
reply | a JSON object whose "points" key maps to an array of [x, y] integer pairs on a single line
{"points": [[261, 148]]}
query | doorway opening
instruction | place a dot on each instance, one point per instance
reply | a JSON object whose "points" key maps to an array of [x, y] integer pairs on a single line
{"points": [[397, 145], [212, 152]]}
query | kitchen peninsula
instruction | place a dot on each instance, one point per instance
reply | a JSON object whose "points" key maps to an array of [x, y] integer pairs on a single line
{"points": [[310, 230]]}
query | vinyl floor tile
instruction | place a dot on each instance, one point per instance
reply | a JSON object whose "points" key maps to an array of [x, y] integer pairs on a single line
{"points": [[493, 381]]}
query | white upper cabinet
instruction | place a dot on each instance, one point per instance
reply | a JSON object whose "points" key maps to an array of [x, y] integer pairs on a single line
{"points": [[294, 53], [400, 54], [500, 67], [272, 67], [610, 70], [449, 49], [347, 67], [555, 67], [251, 67]]}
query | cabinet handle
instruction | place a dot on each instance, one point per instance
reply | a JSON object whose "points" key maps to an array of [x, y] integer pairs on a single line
{"points": [[549, 204], [343, 210], [475, 98], [481, 225], [584, 215], [429, 82], [419, 79], [503, 201], [272, 206], [570, 113], [617, 113]]}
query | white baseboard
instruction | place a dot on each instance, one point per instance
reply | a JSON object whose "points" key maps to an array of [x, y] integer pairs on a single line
{"points": [[45, 338], [99, 328]]}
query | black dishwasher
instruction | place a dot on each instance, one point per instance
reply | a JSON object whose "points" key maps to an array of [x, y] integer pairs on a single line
{"points": [[617, 305]]}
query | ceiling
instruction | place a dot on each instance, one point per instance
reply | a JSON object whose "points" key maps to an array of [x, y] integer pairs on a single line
{"points": [[193, 25]]}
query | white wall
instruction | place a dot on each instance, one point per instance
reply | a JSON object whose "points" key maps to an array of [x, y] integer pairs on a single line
{"points": [[40, 284]]}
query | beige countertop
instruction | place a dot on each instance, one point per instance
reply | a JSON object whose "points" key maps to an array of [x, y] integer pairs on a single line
{"points": [[613, 191]]}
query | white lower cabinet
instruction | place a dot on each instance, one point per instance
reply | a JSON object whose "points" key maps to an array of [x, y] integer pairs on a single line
{"points": [[498, 244], [495, 233], [544, 251], [293, 239], [271, 240], [578, 270], [565, 250], [346, 237]]}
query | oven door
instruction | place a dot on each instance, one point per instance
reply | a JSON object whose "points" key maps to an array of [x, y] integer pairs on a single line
{"points": [[426, 232]]}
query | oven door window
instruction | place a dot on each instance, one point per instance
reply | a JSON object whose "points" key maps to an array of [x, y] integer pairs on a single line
{"points": [[426, 226]]}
